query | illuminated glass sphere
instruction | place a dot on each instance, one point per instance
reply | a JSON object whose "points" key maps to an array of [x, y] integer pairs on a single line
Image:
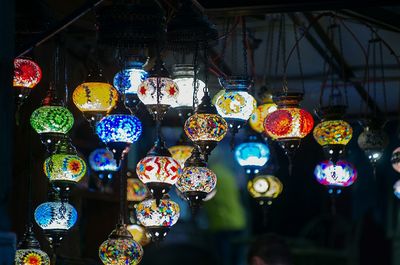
{"points": [[27, 73], [120, 249], [139, 234], [52, 119], [259, 114], [95, 97], [181, 153], [64, 167], [291, 122], [331, 132], [396, 159], [373, 142], [102, 160], [169, 91], [197, 179], [265, 187], [158, 169], [136, 190], [341, 174], [119, 128], [237, 105], [396, 189], [128, 80], [206, 127], [252, 154], [55, 216], [165, 214], [31, 256]]}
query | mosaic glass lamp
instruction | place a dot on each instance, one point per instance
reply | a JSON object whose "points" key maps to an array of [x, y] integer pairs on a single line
{"points": [[258, 116], [252, 154], [395, 159], [157, 218], [197, 180], [95, 98], [236, 105], [373, 140], [335, 175], [139, 234], [27, 74], [206, 127], [264, 188], [182, 150], [120, 248], [55, 218], [136, 190], [102, 161], [333, 133], [29, 252], [158, 170], [396, 189], [289, 123], [158, 92]]}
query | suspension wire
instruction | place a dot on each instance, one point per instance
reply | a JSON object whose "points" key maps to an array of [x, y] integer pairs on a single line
{"points": [[234, 51], [383, 76], [299, 57], [225, 42], [268, 53], [285, 85], [244, 40], [66, 90], [205, 89], [30, 168], [278, 49], [367, 78], [195, 83], [344, 74], [374, 70]]}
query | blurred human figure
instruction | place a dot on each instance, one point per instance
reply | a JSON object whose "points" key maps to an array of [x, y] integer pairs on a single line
{"points": [[269, 250]]}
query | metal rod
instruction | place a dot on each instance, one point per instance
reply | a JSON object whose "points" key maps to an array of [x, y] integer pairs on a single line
{"points": [[77, 14]]}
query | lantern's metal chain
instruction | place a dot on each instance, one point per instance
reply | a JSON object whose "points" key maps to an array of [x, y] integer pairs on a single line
{"points": [[342, 66], [268, 53], [298, 56], [383, 75], [195, 83], [205, 89], [244, 40]]}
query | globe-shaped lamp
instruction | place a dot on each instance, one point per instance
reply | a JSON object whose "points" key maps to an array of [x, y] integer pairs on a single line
{"points": [[139, 234], [27, 74], [136, 190], [396, 189], [373, 141], [335, 176], [102, 161], [252, 155], [395, 159], [29, 252], [259, 114], [264, 188]]}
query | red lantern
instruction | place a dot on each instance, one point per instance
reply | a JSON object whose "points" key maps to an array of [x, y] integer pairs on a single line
{"points": [[27, 73]]}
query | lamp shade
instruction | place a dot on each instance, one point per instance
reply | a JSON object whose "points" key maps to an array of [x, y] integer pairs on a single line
{"points": [[205, 127], [64, 167], [31, 256], [197, 179], [373, 142], [95, 97], [27, 73], [181, 153], [136, 190], [165, 214], [252, 154], [341, 174], [158, 169], [119, 128], [56, 216], [102, 160], [396, 189], [139, 234], [259, 114], [52, 119], [128, 80], [395, 159], [332, 132], [265, 187], [169, 91], [237, 105]]}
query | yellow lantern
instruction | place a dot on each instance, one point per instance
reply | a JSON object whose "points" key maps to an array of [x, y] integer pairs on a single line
{"points": [[258, 116], [265, 188]]}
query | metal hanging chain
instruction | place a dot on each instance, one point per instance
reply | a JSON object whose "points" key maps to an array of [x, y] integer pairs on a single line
{"points": [[205, 89], [244, 40], [225, 42], [284, 62], [383, 76], [278, 46], [299, 57], [367, 78], [268, 53], [195, 83], [374, 71], [342, 66]]}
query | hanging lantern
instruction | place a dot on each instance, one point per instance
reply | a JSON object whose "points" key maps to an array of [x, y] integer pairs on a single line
{"points": [[196, 181], [157, 218], [333, 133], [335, 175], [95, 98], [182, 150], [265, 188], [396, 159], [236, 105], [128, 80], [120, 248], [288, 124], [29, 252], [158, 170], [136, 190], [56, 219], [118, 131], [27, 74], [158, 92], [252, 155], [139, 234], [102, 161], [396, 189], [373, 141], [258, 116], [183, 76], [206, 127]]}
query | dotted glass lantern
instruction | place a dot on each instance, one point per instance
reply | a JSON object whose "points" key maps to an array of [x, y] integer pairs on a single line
{"points": [[102, 160], [341, 174], [252, 154], [333, 132], [265, 188], [258, 116], [158, 169], [64, 167], [396, 189], [236, 105], [157, 218], [52, 119], [27, 73], [198, 179], [169, 91], [181, 153], [56, 216], [31, 257], [206, 127], [373, 142], [119, 128], [395, 159], [139, 234], [128, 80], [136, 190]]}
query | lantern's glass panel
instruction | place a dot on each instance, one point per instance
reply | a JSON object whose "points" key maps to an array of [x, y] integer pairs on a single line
{"points": [[265, 186], [27, 73], [206, 127], [186, 90], [333, 132], [236, 105], [258, 116], [120, 251], [181, 153], [150, 214], [252, 154], [119, 128], [396, 159], [396, 189], [288, 123], [102, 160], [197, 179], [56, 215], [31, 257], [64, 167], [162, 169], [127, 81], [139, 234], [95, 97], [136, 190], [52, 119], [372, 140], [341, 174], [169, 91]]}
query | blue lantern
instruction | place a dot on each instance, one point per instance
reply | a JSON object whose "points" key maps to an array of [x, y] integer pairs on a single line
{"points": [[252, 155], [335, 175], [396, 189], [102, 160], [128, 80]]}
